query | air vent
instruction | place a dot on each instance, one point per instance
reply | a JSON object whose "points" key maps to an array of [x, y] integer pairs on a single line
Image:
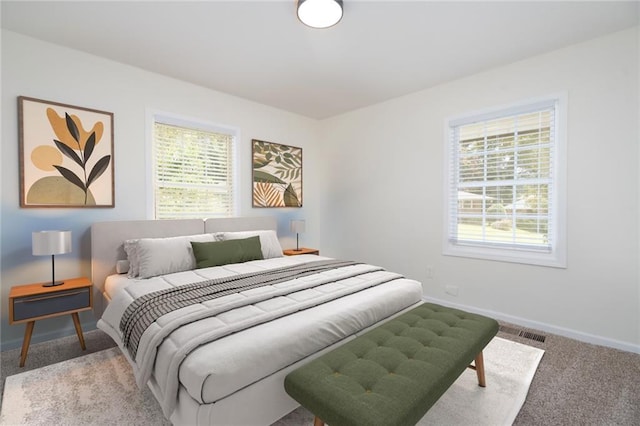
{"points": [[532, 336], [521, 333]]}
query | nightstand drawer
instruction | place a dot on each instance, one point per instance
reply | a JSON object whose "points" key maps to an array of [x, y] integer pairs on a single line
{"points": [[51, 303]]}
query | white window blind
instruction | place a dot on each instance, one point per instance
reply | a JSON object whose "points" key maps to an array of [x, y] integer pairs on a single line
{"points": [[502, 180], [193, 171]]}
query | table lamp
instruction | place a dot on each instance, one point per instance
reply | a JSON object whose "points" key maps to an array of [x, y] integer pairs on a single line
{"points": [[51, 243], [297, 226]]}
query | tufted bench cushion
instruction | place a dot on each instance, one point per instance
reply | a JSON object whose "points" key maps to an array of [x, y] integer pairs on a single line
{"points": [[393, 374]]}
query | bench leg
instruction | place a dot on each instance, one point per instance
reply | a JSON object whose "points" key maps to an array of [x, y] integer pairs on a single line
{"points": [[480, 370], [317, 421]]}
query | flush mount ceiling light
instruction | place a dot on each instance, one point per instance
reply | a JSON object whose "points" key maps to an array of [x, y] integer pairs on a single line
{"points": [[320, 13]]}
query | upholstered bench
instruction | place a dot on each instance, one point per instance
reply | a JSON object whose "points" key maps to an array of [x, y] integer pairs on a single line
{"points": [[392, 374]]}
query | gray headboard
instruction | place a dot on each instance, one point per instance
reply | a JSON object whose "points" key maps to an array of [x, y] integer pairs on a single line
{"points": [[107, 240]]}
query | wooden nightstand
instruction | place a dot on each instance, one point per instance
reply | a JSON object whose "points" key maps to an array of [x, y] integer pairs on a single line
{"points": [[32, 302], [303, 250]]}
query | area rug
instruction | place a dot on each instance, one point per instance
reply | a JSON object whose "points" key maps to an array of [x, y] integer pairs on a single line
{"points": [[99, 389], [509, 369]]}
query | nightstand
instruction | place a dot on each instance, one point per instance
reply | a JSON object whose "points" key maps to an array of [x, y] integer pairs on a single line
{"points": [[32, 302], [294, 252]]}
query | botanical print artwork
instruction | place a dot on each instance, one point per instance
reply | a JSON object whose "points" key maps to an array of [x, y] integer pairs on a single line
{"points": [[66, 155], [277, 175]]}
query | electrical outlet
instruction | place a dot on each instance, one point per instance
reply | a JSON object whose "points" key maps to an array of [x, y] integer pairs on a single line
{"points": [[429, 271]]}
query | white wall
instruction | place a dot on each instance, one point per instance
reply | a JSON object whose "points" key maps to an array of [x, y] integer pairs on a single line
{"points": [[383, 192], [46, 71], [373, 179]]}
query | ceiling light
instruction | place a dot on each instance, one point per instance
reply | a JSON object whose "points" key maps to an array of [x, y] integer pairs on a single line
{"points": [[320, 13]]}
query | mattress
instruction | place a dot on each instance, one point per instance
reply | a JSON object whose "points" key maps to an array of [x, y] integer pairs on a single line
{"points": [[217, 369]]}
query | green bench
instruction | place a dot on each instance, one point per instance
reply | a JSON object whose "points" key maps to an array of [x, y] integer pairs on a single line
{"points": [[394, 373]]}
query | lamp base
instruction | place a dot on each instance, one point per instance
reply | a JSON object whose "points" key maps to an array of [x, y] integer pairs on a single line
{"points": [[53, 284]]}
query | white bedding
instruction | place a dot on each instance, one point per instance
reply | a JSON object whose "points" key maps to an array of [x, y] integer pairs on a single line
{"points": [[216, 369]]}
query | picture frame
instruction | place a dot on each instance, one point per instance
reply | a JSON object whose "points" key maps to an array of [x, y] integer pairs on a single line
{"points": [[66, 155], [277, 174]]}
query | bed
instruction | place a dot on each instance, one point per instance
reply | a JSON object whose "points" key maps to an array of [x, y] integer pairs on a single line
{"points": [[222, 360]]}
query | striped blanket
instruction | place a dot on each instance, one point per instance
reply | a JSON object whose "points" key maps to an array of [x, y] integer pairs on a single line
{"points": [[148, 308]]}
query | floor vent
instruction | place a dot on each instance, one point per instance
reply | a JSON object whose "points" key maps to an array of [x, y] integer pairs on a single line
{"points": [[521, 333]]}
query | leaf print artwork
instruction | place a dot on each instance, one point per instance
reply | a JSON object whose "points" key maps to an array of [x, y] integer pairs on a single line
{"points": [[71, 155], [277, 175], [76, 138]]}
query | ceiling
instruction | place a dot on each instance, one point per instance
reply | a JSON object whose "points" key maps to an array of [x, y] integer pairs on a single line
{"points": [[258, 50]]}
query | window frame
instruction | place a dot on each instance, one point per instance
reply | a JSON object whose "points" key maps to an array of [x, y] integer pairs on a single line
{"points": [[557, 256], [154, 116]]}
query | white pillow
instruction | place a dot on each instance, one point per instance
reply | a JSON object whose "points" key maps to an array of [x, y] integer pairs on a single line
{"points": [[268, 241], [122, 266], [130, 247], [159, 256]]}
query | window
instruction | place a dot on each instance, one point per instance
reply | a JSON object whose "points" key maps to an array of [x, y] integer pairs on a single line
{"points": [[505, 182], [193, 169]]}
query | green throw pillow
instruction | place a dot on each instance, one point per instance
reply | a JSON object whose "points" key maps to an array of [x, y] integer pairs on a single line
{"points": [[217, 253]]}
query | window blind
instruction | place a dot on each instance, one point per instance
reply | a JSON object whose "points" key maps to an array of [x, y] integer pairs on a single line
{"points": [[193, 172], [501, 179]]}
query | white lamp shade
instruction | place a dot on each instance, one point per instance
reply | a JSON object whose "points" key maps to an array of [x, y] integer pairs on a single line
{"points": [[297, 226], [320, 13], [50, 242]]}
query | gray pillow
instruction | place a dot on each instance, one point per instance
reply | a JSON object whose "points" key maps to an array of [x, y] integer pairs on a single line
{"points": [[159, 256]]}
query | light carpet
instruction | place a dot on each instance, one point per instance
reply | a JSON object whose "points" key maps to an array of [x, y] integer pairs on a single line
{"points": [[99, 389]]}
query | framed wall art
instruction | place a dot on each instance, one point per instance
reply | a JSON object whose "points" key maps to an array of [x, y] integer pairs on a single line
{"points": [[66, 155], [277, 174]]}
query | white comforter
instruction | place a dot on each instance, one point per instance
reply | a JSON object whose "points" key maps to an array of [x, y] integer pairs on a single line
{"points": [[165, 346]]}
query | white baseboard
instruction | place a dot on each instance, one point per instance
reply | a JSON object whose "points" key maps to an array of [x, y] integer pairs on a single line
{"points": [[560, 331]]}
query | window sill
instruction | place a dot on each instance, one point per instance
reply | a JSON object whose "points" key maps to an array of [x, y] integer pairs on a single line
{"points": [[553, 259]]}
